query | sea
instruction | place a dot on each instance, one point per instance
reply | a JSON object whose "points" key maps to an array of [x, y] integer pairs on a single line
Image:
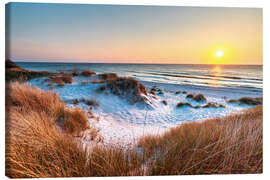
{"points": [[231, 76]]}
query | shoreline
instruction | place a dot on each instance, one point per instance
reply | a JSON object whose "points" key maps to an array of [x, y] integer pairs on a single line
{"points": [[207, 89]]}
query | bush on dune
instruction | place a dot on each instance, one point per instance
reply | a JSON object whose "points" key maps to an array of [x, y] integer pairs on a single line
{"points": [[247, 100], [15, 73], [128, 88], [182, 104], [10, 64], [75, 72], [104, 77], [155, 89], [84, 82], [196, 97], [107, 76], [60, 79], [92, 102], [101, 89], [232, 144], [87, 73], [208, 105], [164, 102], [181, 92], [213, 105]]}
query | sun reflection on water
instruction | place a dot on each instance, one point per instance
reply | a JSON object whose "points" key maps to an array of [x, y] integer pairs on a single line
{"points": [[216, 76]]}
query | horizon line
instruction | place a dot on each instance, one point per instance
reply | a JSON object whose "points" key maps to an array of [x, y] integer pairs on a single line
{"points": [[133, 63]]}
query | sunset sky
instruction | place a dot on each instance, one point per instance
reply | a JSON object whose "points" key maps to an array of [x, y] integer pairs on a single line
{"points": [[134, 34]]}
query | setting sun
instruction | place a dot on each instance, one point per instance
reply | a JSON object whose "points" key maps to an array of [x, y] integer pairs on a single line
{"points": [[219, 53]]}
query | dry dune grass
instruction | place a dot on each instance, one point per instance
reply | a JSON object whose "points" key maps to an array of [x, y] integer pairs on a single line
{"points": [[232, 144], [36, 148], [75, 121]]}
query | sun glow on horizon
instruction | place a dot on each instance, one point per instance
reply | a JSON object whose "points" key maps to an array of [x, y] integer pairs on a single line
{"points": [[221, 53]]}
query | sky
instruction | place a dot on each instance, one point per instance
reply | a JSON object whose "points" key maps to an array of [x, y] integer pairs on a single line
{"points": [[46, 32]]}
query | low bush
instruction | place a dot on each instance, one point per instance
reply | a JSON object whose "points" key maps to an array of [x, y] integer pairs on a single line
{"points": [[197, 97], [128, 88], [87, 73], [182, 104], [92, 102], [183, 92], [10, 64], [247, 100], [107, 76], [75, 72], [84, 82], [101, 89], [60, 79], [208, 105], [15, 73], [164, 102], [155, 89], [213, 105]]}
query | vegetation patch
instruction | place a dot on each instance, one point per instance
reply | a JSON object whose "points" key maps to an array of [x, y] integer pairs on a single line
{"points": [[208, 105], [182, 104], [164, 102], [155, 90], [87, 73], [61, 80], [84, 82], [101, 89], [74, 121], [213, 105], [197, 97], [92, 102], [15, 73], [247, 100], [75, 72], [107, 76], [75, 101], [102, 78], [128, 88], [180, 92]]}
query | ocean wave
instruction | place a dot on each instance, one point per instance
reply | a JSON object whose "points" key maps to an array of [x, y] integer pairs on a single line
{"points": [[207, 76]]}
